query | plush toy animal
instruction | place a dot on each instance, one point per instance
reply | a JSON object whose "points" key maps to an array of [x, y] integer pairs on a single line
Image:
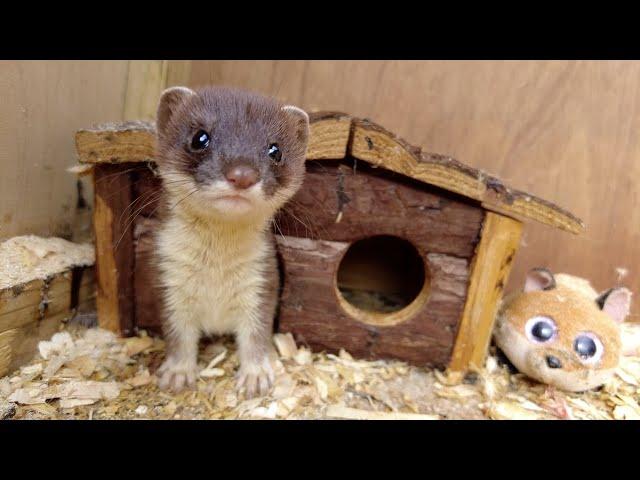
{"points": [[559, 331]]}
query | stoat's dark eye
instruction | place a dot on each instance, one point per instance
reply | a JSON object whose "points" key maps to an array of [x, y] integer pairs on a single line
{"points": [[540, 329], [585, 346], [200, 140], [274, 152]]}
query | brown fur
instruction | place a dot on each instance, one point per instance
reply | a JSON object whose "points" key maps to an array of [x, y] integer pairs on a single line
{"points": [[241, 125]]}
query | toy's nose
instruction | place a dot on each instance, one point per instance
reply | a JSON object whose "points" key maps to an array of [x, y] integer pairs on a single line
{"points": [[242, 176], [553, 362]]}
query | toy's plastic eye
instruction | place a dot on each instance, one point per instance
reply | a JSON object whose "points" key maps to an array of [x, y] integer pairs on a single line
{"points": [[200, 140], [275, 153], [588, 347], [540, 329]]}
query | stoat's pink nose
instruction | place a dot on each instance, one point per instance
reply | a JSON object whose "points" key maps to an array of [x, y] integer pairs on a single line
{"points": [[242, 176]]}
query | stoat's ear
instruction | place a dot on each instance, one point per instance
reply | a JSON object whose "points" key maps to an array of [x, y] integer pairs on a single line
{"points": [[170, 99], [616, 303], [539, 279], [301, 120]]}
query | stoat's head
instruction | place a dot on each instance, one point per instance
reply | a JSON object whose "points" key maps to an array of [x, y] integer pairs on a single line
{"points": [[229, 154], [562, 333]]}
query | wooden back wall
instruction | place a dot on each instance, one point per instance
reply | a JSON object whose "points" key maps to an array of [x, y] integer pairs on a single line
{"points": [[565, 130], [42, 104]]}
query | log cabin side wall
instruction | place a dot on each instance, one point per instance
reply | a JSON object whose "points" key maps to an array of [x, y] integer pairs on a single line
{"points": [[344, 202]]}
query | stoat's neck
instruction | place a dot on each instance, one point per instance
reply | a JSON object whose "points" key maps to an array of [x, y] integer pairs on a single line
{"points": [[214, 232]]}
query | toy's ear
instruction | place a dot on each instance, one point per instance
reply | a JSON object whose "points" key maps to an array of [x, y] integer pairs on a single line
{"points": [[300, 119], [539, 279], [616, 303], [170, 99]]}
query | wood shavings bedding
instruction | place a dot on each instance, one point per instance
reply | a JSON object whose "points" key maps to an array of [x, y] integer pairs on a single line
{"points": [[91, 374], [27, 258]]}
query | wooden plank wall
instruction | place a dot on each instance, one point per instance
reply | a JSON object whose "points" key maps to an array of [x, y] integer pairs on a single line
{"points": [[42, 104], [564, 130]]}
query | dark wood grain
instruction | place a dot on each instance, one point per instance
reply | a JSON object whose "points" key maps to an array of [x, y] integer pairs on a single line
{"points": [[148, 306], [114, 246], [377, 202], [147, 189]]}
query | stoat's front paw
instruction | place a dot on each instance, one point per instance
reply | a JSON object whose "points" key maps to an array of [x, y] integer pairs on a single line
{"points": [[176, 375], [255, 379]]}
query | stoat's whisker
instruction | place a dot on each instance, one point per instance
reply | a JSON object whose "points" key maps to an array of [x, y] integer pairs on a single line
{"points": [[144, 198], [131, 218], [275, 223]]}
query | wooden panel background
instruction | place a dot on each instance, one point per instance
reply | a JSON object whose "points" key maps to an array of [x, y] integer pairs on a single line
{"points": [[42, 104], [564, 130]]}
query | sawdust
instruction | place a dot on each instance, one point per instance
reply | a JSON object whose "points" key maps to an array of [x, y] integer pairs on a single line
{"points": [[91, 374], [27, 258]]}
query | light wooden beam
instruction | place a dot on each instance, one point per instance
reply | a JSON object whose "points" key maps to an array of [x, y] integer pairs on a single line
{"points": [[490, 270]]}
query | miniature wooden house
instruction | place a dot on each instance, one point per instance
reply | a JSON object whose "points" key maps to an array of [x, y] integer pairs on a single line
{"points": [[386, 251]]}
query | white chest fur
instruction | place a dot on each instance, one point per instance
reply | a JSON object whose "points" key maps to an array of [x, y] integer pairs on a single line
{"points": [[212, 274]]}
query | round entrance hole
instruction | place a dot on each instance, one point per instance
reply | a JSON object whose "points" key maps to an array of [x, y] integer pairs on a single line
{"points": [[382, 280]]}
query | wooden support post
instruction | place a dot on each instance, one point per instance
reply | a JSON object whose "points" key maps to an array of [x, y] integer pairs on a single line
{"points": [[489, 273], [114, 248]]}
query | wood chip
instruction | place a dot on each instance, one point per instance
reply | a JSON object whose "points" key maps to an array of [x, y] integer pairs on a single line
{"points": [[627, 377], [344, 355], [54, 364], [32, 370], [111, 410], [625, 412], [323, 388], [337, 411], [170, 408], [285, 344], [136, 345], [44, 409], [76, 402], [25, 396], [59, 343], [217, 359], [88, 390], [7, 409], [84, 364], [506, 410], [142, 410], [284, 386], [265, 412], [5, 387], [212, 372], [303, 356], [141, 379]]}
